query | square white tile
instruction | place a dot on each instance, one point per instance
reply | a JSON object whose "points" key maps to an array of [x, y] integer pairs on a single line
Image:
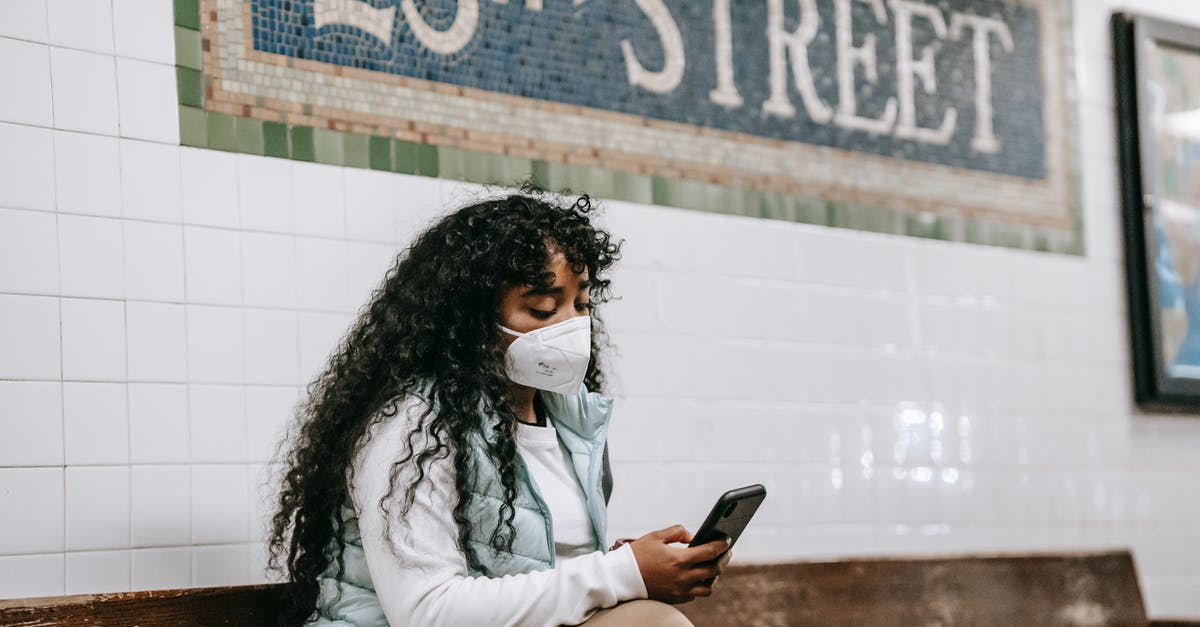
{"points": [[31, 423], [269, 410], [268, 270], [23, 19], [154, 261], [93, 340], [370, 215], [30, 338], [95, 423], [160, 505], [319, 334], [84, 24], [28, 252], [259, 570], [87, 173], [367, 264], [143, 29], [25, 72], [97, 507], [265, 193], [149, 106], [262, 490], [322, 263], [161, 569], [210, 187], [27, 576], [150, 181], [417, 203], [159, 430], [215, 345], [38, 494], [222, 565], [319, 203], [154, 268], [217, 423], [158, 423], [156, 345], [219, 504], [91, 256], [85, 91], [272, 347], [26, 167], [213, 267], [93, 572]]}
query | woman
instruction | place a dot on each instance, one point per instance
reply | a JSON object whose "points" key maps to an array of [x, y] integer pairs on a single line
{"points": [[449, 464]]}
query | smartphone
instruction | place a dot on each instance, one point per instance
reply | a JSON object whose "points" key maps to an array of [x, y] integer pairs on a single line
{"points": [[730, 515]]}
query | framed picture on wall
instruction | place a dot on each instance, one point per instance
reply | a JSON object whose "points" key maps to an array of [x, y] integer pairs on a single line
{"points": [[1157, 81]]}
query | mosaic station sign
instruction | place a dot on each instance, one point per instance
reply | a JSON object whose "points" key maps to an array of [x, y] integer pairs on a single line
{"points": [[944, 118]]}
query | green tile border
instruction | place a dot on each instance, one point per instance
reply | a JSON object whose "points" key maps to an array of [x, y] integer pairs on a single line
{"points": [[218, 131]]}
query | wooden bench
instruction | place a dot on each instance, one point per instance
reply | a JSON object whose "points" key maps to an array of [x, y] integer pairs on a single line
{"points": [[1093, 589], [1027, 590]]}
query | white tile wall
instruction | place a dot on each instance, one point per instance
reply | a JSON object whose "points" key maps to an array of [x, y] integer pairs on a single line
{"points": [[160, 569], [93, 339], [26, 167], [25, 68], [215, 345], [154, 261], [95, 423], [158, 423], [30, 338], [87, 173], [147, 100], [38, 494], [144, 29], [97, 571], [161, 309], [32, 409], [83, 24], [210, 187], [150, 181], [97, 268], [28, 252], [23, 19], [33, 575], [97, 513], [160, 505], [217, 415], [85, 90]]}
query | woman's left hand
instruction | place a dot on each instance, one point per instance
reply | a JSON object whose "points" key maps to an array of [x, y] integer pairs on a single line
{"points": [[722, 562]]}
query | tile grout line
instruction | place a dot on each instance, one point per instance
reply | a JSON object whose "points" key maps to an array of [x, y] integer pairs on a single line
{"points": [[125, 312], [58, 304]]}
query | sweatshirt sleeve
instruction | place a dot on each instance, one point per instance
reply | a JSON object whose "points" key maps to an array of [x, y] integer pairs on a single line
{"points": [[420, 576]]}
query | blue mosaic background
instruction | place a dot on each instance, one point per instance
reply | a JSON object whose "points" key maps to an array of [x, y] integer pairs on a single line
{"points": [[572, 54]]}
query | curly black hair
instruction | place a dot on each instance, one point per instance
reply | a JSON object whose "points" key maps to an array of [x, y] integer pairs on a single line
{"points": [[431, 322]]}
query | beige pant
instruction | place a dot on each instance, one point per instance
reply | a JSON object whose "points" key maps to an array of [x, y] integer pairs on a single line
{"points": [[639, 613]]}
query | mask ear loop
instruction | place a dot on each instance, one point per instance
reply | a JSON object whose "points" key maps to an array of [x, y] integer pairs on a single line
{"points": [[510, 331]]}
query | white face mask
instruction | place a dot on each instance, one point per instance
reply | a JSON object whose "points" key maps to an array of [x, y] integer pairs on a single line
{"points": [[553, 358]]}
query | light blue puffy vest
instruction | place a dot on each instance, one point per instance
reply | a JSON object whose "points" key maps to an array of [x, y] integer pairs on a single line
{"points": [[582, 425]]}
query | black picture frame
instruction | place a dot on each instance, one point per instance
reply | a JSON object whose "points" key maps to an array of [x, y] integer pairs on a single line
{"points": [[1163, 279]]}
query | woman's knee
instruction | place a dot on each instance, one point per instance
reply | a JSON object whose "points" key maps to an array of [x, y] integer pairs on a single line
{"points": [[642, 613]]}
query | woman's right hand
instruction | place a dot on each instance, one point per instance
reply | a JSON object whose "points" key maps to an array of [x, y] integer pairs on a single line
{"points": [[677, 574]]}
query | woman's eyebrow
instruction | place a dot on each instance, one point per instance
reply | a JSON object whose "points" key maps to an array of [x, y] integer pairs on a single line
{"points": [[542, 290]]}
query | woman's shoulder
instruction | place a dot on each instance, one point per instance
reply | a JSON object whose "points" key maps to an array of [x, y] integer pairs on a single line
{"points": [[584, 412], [403, 413]]}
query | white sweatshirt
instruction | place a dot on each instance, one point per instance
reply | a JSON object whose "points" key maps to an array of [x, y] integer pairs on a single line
{"points": [[425, 581]]}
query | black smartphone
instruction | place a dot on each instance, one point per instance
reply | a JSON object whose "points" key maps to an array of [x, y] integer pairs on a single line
{"points": [[730, 515]]}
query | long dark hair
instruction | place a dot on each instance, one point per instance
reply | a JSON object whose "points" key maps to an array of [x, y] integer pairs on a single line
{"points": [[431, 322]]}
